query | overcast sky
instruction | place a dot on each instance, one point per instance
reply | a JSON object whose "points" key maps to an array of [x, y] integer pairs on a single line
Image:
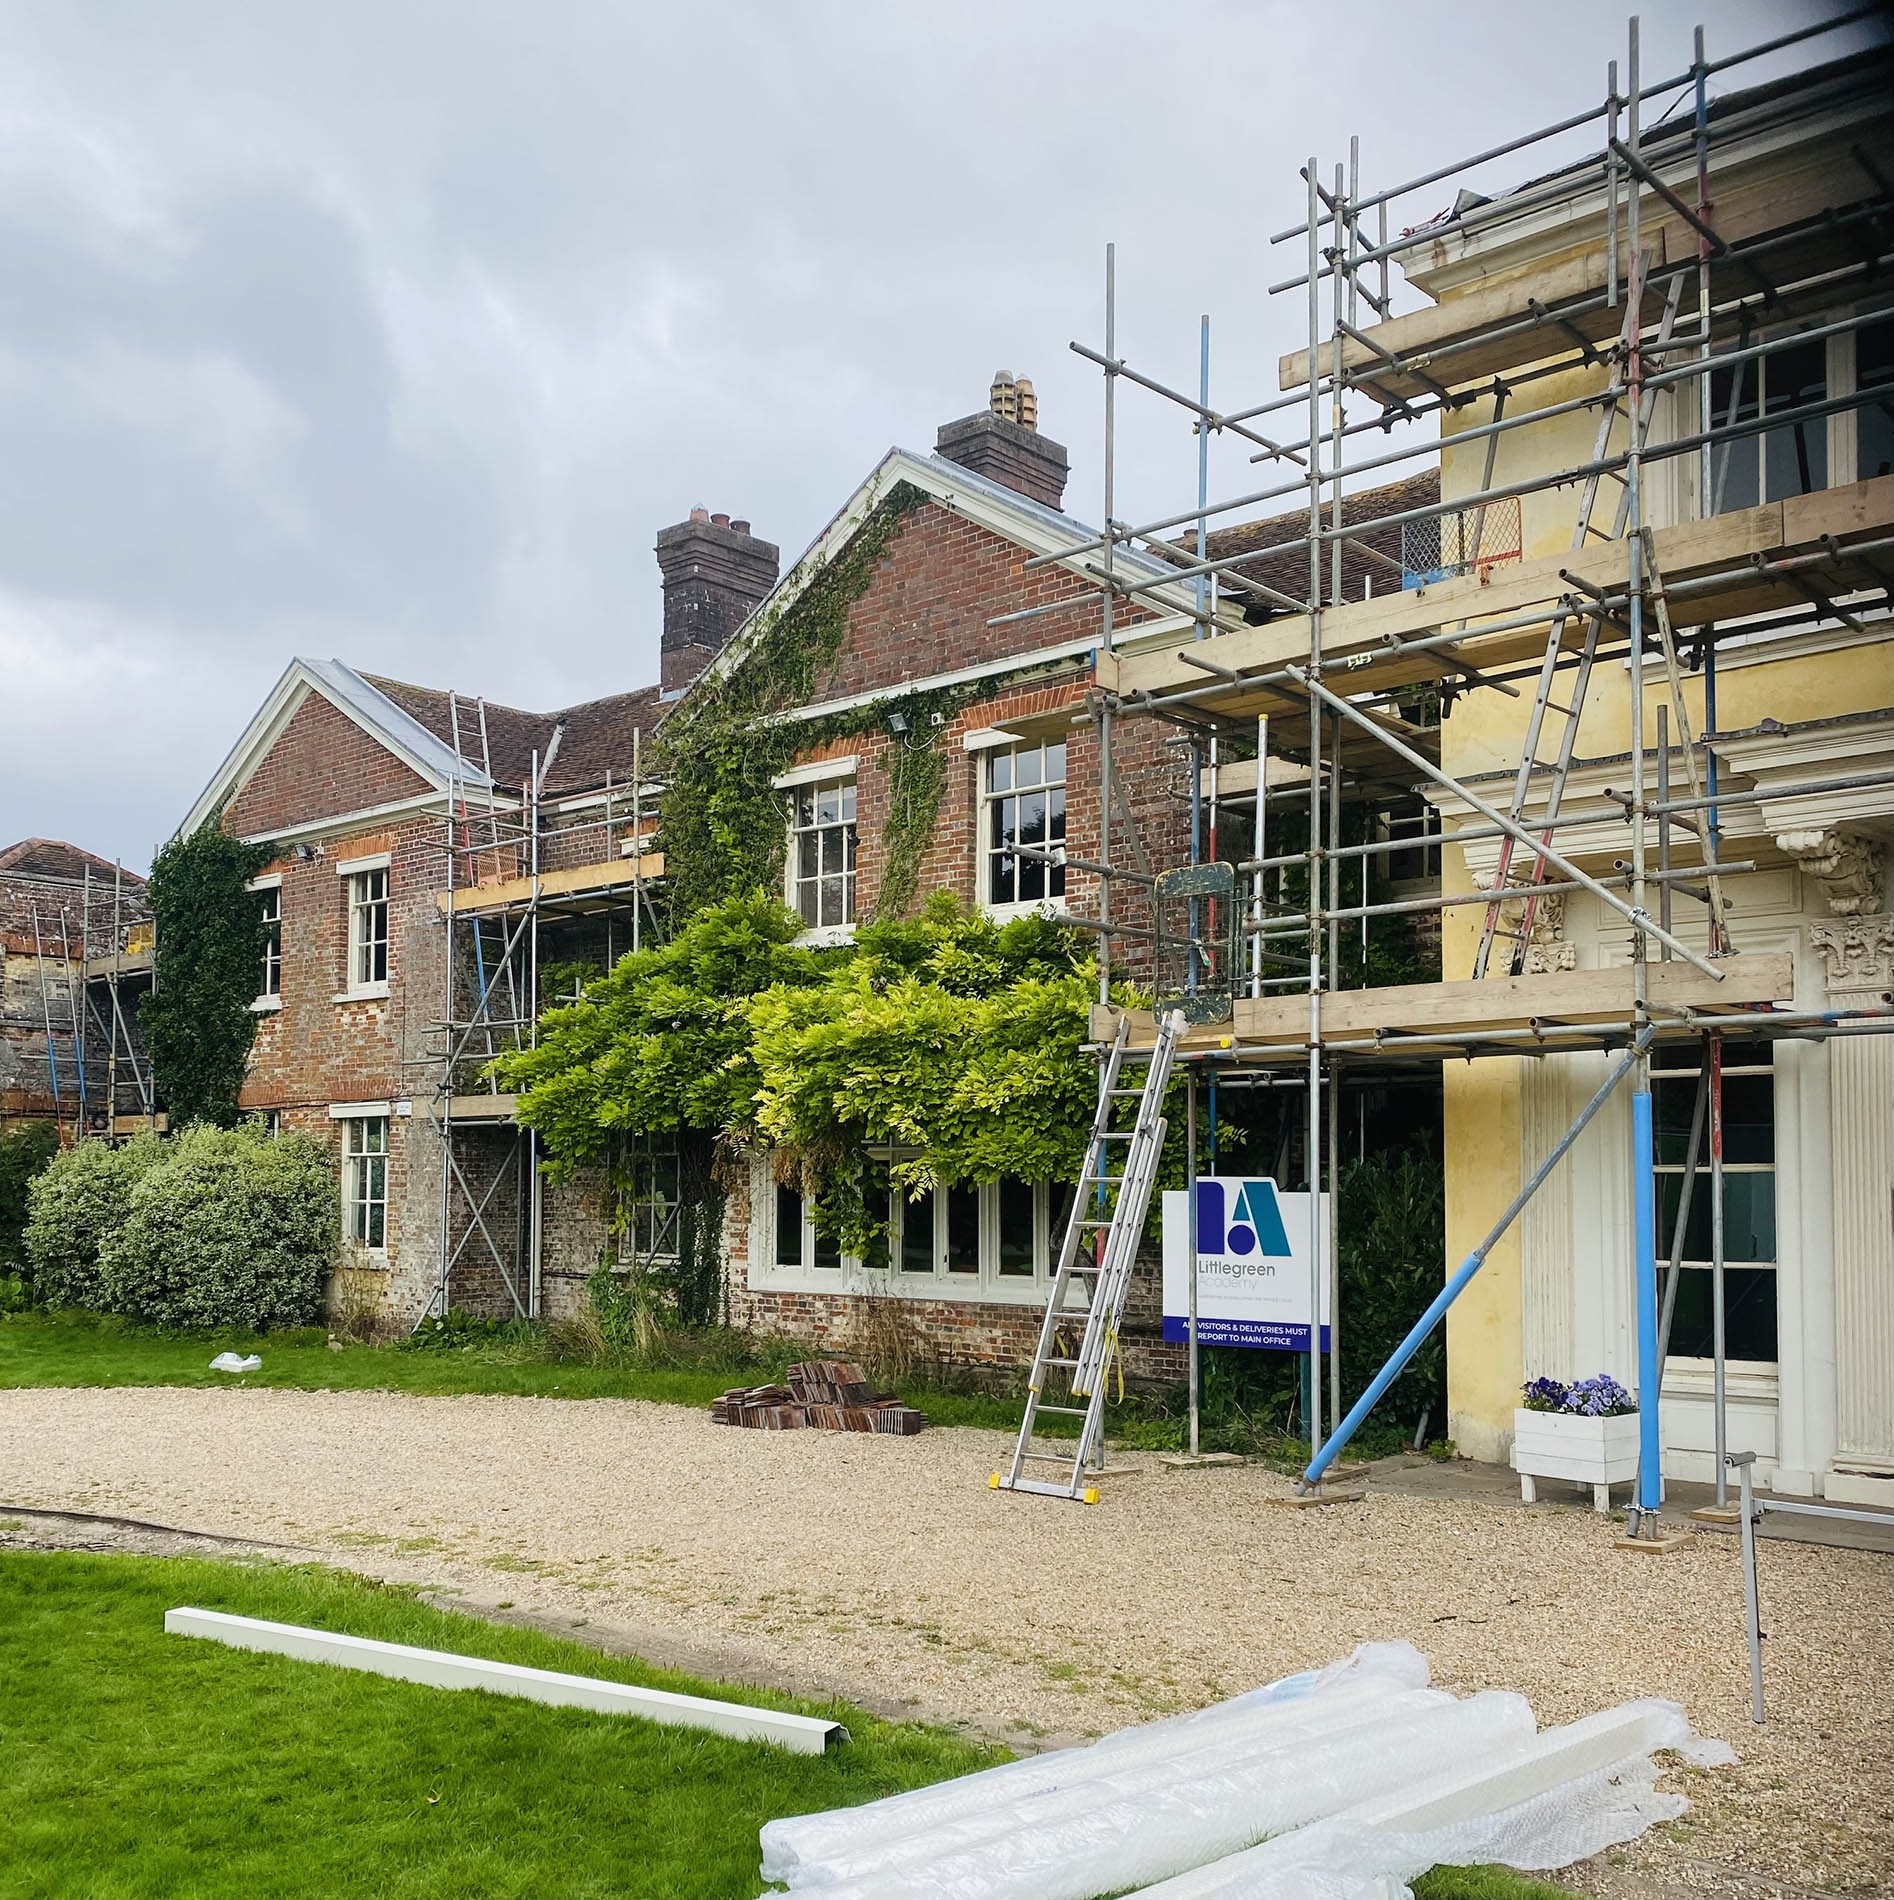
{"points": [[396, 331]]}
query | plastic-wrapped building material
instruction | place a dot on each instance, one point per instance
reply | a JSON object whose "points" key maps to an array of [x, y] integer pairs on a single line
{"points": [[1348, 1710], [1372, 1850], [1146, 1836], [797, 1848]]}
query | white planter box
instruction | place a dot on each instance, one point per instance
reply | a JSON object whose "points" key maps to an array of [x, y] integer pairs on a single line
{"points": [[1599, 1452]]}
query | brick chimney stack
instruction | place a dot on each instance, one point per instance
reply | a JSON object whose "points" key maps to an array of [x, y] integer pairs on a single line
{"points": [[1005, 445], [716, 573]]}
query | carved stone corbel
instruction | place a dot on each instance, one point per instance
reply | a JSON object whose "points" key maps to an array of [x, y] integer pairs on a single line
{"points": [[1847, 867], [1857, 955]]}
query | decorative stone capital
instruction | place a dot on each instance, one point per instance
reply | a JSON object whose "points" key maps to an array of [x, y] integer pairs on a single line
{"points": [[1857, 955], [1548, 950], [1847, 867]]}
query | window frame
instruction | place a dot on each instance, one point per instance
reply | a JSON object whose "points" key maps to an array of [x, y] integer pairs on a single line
{"points": [[1739, 1060], [843, 779], [270, 891], [645, 1168], [367, 890], [358, 1175], [1051, 903], [987, 1285]]}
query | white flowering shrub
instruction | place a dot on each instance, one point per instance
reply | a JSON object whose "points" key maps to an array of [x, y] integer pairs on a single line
{"points": [[75, 1206], [232, 1228]]}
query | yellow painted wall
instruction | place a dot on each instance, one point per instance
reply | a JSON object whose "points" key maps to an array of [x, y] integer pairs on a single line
{"points": [[1484, 733]]}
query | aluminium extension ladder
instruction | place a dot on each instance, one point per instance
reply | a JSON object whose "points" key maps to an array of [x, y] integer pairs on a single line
{"points": [[1100, 1247], [1510, 886]]}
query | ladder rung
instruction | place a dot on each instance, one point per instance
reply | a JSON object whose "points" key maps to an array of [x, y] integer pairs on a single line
{"points": [[1047, 1457], [1058, 1362], [1064, 1411]]}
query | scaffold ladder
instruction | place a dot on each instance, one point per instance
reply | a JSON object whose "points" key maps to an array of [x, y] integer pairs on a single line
{"points": [[1507, 888], [1096, 1257]]}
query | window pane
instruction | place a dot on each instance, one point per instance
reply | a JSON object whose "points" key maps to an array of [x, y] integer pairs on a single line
{"points": [[1749, 1216], [832, 849], [806, 902], [848, 802], [917, 1235], [832, 901], [808, 853], [1795, 459], [1749, 1131], [377, 1224], [963, 1230], [788, 1227], [1874, 423], [1749, 1314], [1016, 1227], [1734, 465], [1000, 772], [1032, 818], [828, 1254], [1055, 762], [1001, 881]]}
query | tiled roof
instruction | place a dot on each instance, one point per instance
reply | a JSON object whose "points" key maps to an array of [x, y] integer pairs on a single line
{"points": [[597, 740]]}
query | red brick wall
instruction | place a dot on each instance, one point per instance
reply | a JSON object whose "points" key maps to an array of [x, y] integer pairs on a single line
{"points": [[323, 765]]}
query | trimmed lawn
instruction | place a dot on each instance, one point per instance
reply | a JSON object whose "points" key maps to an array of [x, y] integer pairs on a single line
{"points": [[138, 1764], [83, 1350], [141, 1764]]}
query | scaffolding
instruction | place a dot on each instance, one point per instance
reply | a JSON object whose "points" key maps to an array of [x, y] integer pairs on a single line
{"points": [[93, 950], [1663, 288], [518, 866]]}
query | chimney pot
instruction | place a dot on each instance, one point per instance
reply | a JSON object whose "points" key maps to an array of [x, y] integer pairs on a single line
{"points": [[720, 521], [1003, 443], [700, 514], [740, 527]]}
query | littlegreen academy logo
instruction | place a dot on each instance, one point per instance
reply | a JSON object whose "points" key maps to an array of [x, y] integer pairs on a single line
{"points": [[1241, 1220]]}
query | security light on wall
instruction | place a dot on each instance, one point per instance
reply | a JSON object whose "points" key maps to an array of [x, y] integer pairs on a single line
{"points": [[899, 724], [303, 853]]}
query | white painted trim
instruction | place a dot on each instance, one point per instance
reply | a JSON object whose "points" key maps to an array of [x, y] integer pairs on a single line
{"points": [[395, 731], [825, 936], [363, 993], [817, 772], [374, 861], [319, 828], [360, 1111], [989, 505], [269, 881], [266, 1005], [1046, 659], [440, 1669], [987, 739]]}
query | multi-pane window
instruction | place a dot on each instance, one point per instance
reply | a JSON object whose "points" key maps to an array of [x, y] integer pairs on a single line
{"points": [[270, 900], [1025, 805], [822, 853], [365, 1181], [799, 1244], [649, 1205], [995, 1230], [1749, 1200], [1415, 824], [1789, 460], [368, 927]]}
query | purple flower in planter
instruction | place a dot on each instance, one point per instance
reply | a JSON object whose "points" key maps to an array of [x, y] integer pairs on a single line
{"points": [[1545, 1395], [1599, 1397]]}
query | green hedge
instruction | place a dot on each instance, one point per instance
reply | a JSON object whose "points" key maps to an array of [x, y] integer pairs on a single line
{"points": [[220, 1227], [24, 1152], [75, 1207]]}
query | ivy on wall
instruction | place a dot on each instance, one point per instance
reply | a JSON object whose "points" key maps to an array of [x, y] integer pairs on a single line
{"points": [[210, 935]]}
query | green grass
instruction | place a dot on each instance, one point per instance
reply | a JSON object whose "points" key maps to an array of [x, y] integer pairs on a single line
{"points": [[68, 1349], [138, 1764]]}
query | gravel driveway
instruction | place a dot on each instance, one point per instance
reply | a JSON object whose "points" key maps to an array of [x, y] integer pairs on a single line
{"points": [[884, 1569]]}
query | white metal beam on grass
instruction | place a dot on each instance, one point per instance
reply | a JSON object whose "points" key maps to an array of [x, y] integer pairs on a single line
{"points": [[440, 1669]]}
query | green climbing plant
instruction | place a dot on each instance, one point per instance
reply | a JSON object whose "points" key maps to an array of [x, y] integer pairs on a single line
{"points": [[197, 1022]]}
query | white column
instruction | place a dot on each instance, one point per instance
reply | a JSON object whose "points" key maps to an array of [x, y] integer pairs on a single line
{"points": [[1859, 956]]}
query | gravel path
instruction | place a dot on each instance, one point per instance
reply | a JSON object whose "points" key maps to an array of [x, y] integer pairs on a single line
{"points": [[884, 1569]]}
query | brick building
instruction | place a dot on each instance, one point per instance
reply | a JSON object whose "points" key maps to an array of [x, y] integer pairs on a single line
{"points": [[413, 829], [75, 956]]}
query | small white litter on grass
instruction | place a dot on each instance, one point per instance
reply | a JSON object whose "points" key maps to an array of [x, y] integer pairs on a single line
{"points": [[236, 1362]]}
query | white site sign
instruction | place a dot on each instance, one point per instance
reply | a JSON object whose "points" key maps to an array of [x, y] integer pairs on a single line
{"points": [[1253, 1261]]}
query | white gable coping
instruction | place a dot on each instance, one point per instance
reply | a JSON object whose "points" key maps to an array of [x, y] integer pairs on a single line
{"points": [[988, 504], [377, 715]]}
